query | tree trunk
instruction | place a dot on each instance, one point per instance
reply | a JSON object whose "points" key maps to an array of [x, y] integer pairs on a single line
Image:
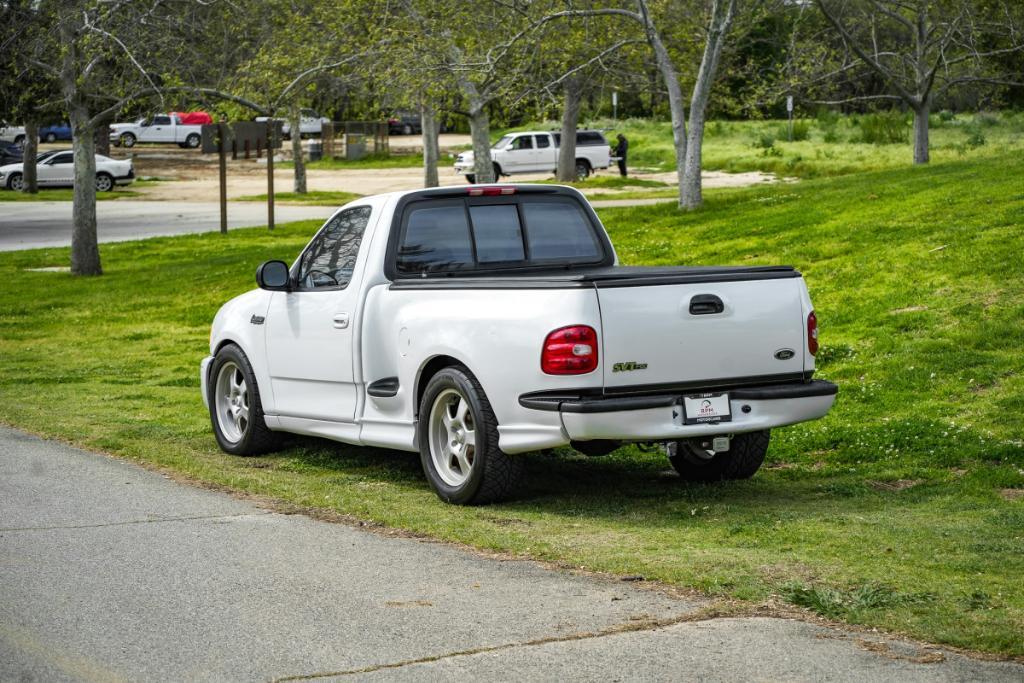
{"points": [[29, 153], [103, 139], [299, 185], [921, 113], [675, 93], [690, 196], [431, 152], [480, 131], [570, 119], [85, 251]]}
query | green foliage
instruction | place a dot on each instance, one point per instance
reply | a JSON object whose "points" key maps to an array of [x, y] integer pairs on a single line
{"points": [[801, 130], [884, 128], [836, 603]]}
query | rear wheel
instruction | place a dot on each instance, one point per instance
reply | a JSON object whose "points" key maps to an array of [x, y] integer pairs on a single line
{"points": [[16, 182], [458, 439], [746, 452], [104, 182], [51, 137], [193, 140], [407, 129], [471, 178], [582, 169], [235, 407]]}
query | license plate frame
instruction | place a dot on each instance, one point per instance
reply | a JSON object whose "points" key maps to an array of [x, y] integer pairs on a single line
{"points": [[706, 408]]}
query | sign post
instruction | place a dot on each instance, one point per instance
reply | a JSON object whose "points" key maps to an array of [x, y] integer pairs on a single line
{"points": [[789, 111], [270, 174], [615, 105], [223, 173]]}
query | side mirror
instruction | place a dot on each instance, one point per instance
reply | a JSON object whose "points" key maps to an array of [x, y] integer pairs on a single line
{"points": [[274, 276]]}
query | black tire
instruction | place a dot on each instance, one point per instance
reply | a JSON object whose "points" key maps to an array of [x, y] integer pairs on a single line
{"points": [[193, 140], [51, 137], [582, 169], [127, 140], [494, 475], [497, 172], [104, 182], [407, 129], [744, 457], [14, 182], [471, 178], [256, 438]]}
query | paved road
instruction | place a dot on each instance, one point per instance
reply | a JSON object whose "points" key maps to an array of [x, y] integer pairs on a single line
{"points": [[29, 225], [110, 572]]}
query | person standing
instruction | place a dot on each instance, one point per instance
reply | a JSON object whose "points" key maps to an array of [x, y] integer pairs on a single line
{"points": [[620, 152]]}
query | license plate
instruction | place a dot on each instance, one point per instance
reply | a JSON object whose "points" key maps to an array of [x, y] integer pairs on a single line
{"points": [[701, 408]]}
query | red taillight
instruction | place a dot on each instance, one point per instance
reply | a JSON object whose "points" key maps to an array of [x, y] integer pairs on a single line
{"points": [[490, 191], [812, 333], [570, 351]]}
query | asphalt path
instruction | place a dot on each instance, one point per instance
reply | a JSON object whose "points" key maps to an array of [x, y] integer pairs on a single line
{"points": [[30, 225], [112, 572]]}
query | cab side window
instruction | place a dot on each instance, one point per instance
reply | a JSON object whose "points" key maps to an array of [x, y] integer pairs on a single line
{"points": [[523, 142], [329, 260], [161, 120]]}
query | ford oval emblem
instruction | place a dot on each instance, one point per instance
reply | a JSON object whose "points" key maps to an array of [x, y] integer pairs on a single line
{"points": [[785, 354]]}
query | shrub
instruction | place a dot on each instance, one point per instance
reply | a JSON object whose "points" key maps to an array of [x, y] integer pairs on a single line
{"points": [[801, 130], [946, 115], [831, 135], [764, 141], [975, 137], [884, 128], [715, 129], [986, 118]]}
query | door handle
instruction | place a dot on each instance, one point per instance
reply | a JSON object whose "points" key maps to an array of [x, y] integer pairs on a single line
{"points": [[705, 304], [341, 321]]}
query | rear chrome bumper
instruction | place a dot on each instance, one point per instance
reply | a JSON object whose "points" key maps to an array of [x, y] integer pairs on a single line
{"points": [[204, 379], [659, 417]]}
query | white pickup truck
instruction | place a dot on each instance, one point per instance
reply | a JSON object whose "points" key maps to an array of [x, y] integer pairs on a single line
{"points": [[478, 323], [537, 152], [162, 128]]}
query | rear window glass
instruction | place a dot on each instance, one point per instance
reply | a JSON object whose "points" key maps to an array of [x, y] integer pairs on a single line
{"points": [[436, 238], [590, 138], [498, 234], [559, 231], [439, 236]]}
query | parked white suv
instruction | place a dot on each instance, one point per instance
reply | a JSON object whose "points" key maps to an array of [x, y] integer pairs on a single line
{"points": [[475, 324], [537, 152]]}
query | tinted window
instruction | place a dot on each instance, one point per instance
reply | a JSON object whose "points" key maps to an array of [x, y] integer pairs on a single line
{"points": [[590, 137], [523, 142], [497, 232], [62, 158], [559, 230], [436, 237], [331, 256], [161, 120], [543, 141]]}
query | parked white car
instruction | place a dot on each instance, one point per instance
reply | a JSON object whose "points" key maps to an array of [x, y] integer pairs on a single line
{"points": [[15, 134], [57, 169], [162, 128], [311, 124], [476, 324], [537, 152]]}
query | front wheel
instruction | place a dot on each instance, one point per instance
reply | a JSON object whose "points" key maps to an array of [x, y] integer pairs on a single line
{"points": [[458, 440], [16, 182], [746, 452], [582, 170], [20, 141], [51, 137], [127, 140], [104, 182], [193, 140], [471, 178], [235, 407]]}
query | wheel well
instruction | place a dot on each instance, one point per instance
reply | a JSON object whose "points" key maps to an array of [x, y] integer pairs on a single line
{"points": [[586, 162], [433, 366], [497, 170]]}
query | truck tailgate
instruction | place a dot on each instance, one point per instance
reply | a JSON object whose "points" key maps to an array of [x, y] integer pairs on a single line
{"points": [[708, 333]]}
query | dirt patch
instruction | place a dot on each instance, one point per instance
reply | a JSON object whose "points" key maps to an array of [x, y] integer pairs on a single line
{"points": [[898, 485], [1012, 494], [909, 309], [916, 656]]}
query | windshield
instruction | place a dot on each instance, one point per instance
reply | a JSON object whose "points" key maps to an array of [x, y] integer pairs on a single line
{"points": [[501, 144]]}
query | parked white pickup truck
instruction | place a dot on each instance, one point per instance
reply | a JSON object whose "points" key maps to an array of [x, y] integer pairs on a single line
{"points": [[537, 152], [163, 128], [478, 323]]}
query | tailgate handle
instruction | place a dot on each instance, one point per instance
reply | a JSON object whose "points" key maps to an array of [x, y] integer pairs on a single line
{"points": [[705, 304]]}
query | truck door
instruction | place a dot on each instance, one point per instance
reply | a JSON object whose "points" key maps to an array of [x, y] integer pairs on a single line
{"points": [[519, 157], [310, 330], [158, 130], [546, 154]]}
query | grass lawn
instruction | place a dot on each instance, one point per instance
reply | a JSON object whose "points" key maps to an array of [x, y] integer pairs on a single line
{"points": [[62, 194], [369, 161], [901, 510], [326, 197]]}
